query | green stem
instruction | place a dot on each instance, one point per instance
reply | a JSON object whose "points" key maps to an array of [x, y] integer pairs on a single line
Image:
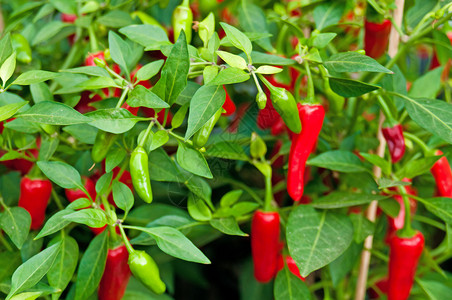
{"points": [[268, 193], [426, 149], [258, 86], [407, 230], [123, 97], [57, 200], [125, 239], [310, 97], [92, 39], [5, 242], [180, 138], [244, 187], [146, 134], [430, 222], [386, 111]]}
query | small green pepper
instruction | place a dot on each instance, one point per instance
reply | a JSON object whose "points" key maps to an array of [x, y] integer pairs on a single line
{"points": [[202, 135], [139, 170], [145, 269], [104, 141], [22, 48], [285, 105], [182, 20]]}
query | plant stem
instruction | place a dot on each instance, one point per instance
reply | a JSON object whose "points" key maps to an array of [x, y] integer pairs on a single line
{"points": [[125, 239], [123, 97], [310, 97], [57, 200], [146, 134]]}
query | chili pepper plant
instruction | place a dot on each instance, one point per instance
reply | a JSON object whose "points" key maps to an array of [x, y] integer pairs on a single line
{"points": [[236, 149]]}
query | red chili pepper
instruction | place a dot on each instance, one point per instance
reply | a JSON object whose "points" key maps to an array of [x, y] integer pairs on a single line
{"points": [[265, 245], [311, 117], [89, 61], [229, 105], [34, 197], [74, 194], [268, 116], [404, 255], [21, 164], [293, 267], [442, 173], [376, 38], [241, 112], [396, 141], [68, 18], [116, 275]]}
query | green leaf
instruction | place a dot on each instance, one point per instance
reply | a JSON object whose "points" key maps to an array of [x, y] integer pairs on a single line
{"points": [[227, 150], [9, 110], [162, 168], [15, 222], [6, 47], [122, 196], [260, 58], [342, 265], [237, 38], [91, 267], [428, 85], [40, 92], [114, 120], [268, 70], [227, 226], [83, 132], [417, 167], [149, 70], [96, 83], [53, 113], [363, 227], [193, 161], [9, 262], [56, 222], [350, 88], [7, 68], [79, 203], [104, 183], [321, 40], [338, 160], [328, 14], [89, 70], [174, 243], [317, 238], [441, 207], [176, 69], [91, 216], [156, 140], [432, 115], [34, 76], [31, 272], [230, 76], [60, 274], [253, 19], [198, 209], [233, 60], [119, 50], [150, 36], [205, 103], [141, 96], [114, 157], [48, 31], [435, 290], [61, 173], [384, 183], [345, 199], [115, 19], [354, 62], [378, 161], [290, 287], [230, 198]]}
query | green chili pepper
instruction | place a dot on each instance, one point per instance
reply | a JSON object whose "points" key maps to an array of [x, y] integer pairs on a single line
{"points": [[202, 135], [145, 269], [140, 174], [104, 140], [182, 20], [285, 105], [22, 48]]}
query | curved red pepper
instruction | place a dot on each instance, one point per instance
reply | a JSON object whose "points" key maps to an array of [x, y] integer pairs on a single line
{"points": [[265, 244], [34, 197], [311, 117], [442, 173], [229, 105], [376, 38], [116, 275], [396, 141], [404, 255]]}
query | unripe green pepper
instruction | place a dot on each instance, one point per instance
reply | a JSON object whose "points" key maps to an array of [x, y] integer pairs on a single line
{"points": [[258, 148], [284, 103], [182, 20], [22, 48], [104, 140], [202, 135], [261, 99], [145, 269], [139, 170]]}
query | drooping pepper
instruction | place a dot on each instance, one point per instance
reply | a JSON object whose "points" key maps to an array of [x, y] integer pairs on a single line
{"points": [[103, 142], [229, 105], [145, 269], [376, 38], [34, 196], [74, 194], [182, 19], [396, 142], [265, 245], [442, 173], [139, 170], [202, 135], [311, 117], [116, 275], [268, 116], [293, 267], [404, 255]]}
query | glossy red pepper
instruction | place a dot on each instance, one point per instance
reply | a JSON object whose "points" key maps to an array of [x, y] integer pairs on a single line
{"points": [[311, 117], [404, 255], [89, 61], [291, 265], [376, 38], [229, 105], [116, 275], [265, 245], [396, 141], [442, 173], [74, 194], [34, 197]]}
